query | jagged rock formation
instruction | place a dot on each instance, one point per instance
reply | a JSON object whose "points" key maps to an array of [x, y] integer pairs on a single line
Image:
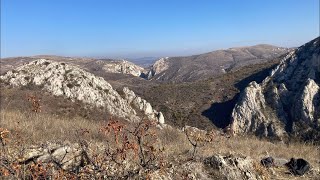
{"points": [[214, 167], [74, 83], [158, 67], [67, 156], [202, 66], [122, 66], [286, 99], [142, 105], [232, 167]]}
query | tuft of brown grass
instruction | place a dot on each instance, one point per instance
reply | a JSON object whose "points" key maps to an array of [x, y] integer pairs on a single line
{"points": [[37, 128], [175, 142]]}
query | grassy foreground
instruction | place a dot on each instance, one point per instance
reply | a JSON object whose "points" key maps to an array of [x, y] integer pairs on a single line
{"points": [[28, 128]]}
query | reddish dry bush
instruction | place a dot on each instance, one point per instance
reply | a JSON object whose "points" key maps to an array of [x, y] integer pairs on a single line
{"points": [[4, 136], [35, 103], [198, 138], [139, 140]]}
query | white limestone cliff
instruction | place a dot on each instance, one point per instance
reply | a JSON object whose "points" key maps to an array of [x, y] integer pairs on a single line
{"points": [[290, 95], [159, 66], [123, 67]]}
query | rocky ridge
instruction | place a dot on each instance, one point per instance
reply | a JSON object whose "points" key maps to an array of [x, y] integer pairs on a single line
{"points": [[69, 81], [286, 99], [89, 64]]}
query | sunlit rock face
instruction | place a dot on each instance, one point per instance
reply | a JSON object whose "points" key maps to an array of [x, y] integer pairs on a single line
{"points": [[159, 66], [123, 67], [287, 98], [74, 83]]}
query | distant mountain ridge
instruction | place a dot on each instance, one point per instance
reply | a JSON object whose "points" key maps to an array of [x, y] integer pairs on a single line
{"points": [[196, 67], [168, 69]]}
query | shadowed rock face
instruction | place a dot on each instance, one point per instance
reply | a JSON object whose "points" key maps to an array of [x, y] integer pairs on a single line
{"points": [[288, 97], [193, 68], [74, 83]]}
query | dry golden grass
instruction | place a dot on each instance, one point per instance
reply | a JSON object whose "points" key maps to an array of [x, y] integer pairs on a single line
{"points": [[258, 149], [37, 128], [174, 141], [45, 127]]}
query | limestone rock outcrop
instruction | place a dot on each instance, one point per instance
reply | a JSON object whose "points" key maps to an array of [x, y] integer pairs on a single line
{"points": [[232, 167], [67, 156], [142, 105], [286, 99], [69, 81], [159, 66], [123, 67]]}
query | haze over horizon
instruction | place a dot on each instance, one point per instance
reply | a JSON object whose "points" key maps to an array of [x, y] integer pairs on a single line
{"points": [[132, 29]]}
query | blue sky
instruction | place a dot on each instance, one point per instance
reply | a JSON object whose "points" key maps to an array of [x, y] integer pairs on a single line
{"points": [[138, 28]]}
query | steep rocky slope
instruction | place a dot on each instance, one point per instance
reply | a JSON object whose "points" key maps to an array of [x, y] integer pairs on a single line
{"points": [[159, 66], [74, 83], [192, 68], [287, 101]]}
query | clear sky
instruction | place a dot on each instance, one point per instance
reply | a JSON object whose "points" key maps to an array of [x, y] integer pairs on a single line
{"points": [[138, 28]]}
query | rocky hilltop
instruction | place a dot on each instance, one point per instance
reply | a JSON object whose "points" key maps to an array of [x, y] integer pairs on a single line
{"points": [[121, 66], [287, 101], [202, 66], [69, 81], [89, 64]]}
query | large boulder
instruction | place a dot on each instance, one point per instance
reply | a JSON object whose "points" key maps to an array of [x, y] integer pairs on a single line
{"points": [[232, 167], [68, 156]]}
